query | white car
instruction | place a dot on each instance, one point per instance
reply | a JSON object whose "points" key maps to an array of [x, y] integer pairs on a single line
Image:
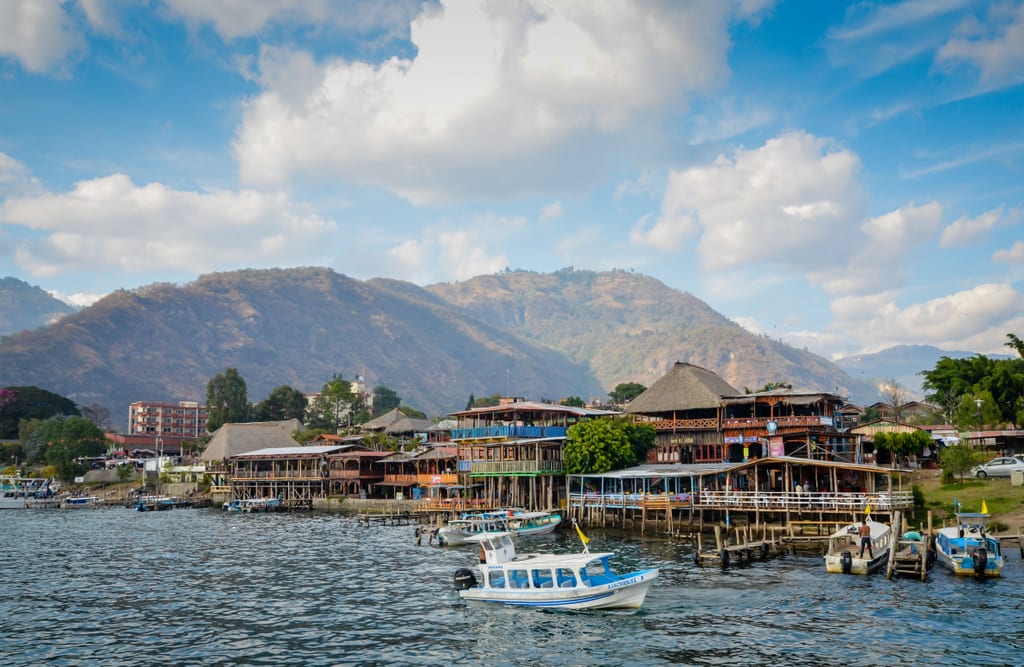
{"points": [[1000, 466]]}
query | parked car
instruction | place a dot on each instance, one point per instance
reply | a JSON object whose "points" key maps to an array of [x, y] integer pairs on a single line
{"points": [[1000, 466]]}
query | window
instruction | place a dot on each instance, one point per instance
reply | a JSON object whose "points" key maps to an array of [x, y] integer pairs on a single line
{"points": [[565, 577], [496, 579]]}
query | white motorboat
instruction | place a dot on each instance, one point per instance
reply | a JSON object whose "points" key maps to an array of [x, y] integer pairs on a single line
{"points": [[516, 522], [22, 492], [966, 549], [563, 581], [844, 551]]}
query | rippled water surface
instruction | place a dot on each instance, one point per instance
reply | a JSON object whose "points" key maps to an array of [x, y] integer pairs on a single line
{"points": [[202, 587]]}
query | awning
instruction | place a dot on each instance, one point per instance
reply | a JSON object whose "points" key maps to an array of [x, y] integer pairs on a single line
{"points": [[396, 483]]}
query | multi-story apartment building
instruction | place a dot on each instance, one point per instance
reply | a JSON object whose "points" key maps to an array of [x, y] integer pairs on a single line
{"points": [[185, 419]]}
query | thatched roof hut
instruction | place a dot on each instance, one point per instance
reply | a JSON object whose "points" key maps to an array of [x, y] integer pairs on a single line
{"points": [[684, 387], [234, 439]]}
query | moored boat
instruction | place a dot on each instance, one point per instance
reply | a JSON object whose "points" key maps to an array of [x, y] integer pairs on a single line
{"points": [[845, 555], [23, 492], [515, 522], [967, 550], [254, 505], [79, 502], [562, 581]]}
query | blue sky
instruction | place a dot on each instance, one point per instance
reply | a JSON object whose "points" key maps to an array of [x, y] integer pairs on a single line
{"points": [[841, 176]]}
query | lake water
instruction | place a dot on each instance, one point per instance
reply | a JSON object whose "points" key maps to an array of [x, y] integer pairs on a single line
{"points": [[204, 587]]}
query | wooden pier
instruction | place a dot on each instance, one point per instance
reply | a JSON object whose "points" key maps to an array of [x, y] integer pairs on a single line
{"points": [[745, 549], [404, 518]]}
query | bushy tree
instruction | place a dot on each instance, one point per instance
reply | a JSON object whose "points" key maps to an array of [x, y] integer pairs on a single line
{"points": [[901, 444], [284, 402], [957, 460], [572, 401], [384, 400], [625, 392], [18, 403], [600, 445], [61, 440], [226, 400]]}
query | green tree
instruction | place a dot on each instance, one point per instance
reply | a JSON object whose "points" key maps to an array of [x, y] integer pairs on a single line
{"points": [[957, 460], [59, 441], [284, 402], [487, 401], [625, 392], [226, 400], [384, 399], [470, 402], [572, 401], [597, 446], [968, 416], [641, 438], [18, 403], [381, 442], [901, 444], [333, 407], [1015, 343]]}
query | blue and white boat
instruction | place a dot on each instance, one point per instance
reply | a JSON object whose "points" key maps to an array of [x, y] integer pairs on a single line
{"points": [[516, 522], [254, 505], [966, 549], [562, 581]]}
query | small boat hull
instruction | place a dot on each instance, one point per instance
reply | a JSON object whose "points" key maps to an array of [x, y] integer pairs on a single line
{"points": [[967, 550], [844, 552], [628, 593]]}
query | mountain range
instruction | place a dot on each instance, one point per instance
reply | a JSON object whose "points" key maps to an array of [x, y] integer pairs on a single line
{"points": [[24, 306], [536, 335]]}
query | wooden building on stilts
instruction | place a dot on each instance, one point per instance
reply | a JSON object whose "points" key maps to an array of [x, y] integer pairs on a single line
{"points": [[510, 454]]}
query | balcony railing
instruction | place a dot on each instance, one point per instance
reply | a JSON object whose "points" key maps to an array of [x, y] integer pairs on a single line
{"points": [[755, 500], [485, 432], [515, 467]]}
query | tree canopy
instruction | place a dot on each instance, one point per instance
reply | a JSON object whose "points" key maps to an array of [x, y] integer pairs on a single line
{"points": [[60, 440], [384, 399], [284, 402], [18, 403], [625, 392], [226, 400], [600, 445], [956, 384]]}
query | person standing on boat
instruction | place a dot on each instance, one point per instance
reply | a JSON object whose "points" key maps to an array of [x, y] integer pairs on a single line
{"points": [[865, 539]]}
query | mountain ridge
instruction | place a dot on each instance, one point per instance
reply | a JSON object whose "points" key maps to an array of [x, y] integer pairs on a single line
{"points": [[544, 336]]}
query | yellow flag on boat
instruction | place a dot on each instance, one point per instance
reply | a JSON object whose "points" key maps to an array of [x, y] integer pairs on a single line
{"points": [[867, 509], [583, 538], [984, 507]]}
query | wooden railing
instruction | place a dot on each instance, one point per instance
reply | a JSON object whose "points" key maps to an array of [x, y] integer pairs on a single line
{"points": [[750, 500], [515, 467], [485, 432]]}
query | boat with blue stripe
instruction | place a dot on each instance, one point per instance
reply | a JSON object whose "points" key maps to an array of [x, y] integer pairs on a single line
{"points": [[564, 581]]}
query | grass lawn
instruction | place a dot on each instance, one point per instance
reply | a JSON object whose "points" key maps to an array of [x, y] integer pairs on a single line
{"points": [[1004, 502]]}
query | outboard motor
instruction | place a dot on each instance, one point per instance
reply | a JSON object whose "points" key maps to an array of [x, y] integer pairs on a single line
{"points": [[980, 562], [464, 578], [846, 562]]}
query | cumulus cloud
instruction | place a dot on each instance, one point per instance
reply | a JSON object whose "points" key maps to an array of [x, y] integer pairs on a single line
{"points": [[975, 319], [15, 178], [39, 35], [233, 19], [1013, 255], [494, 90], [994, 47], [112, 222], [441, 255], [552, 211], [884, 241], [965, 230], [794, 202]]}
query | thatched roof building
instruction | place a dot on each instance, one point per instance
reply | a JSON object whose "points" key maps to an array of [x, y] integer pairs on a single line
{"points": [[234, 439], [683, 387]]}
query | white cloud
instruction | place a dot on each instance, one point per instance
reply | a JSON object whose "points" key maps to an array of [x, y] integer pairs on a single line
{"points": [[1014, 255], [494, 90], [975, 319], [15, 178], [877, 37], [80, 299], [233, 19], [113, 223], [441, 255], [552, 211], [793, 203], [38, 34], [995, 48], [885, 241], [966, 230], [666, 234]]}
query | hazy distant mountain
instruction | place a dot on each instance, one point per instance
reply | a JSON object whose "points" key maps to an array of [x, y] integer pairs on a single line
{"points": [[533, 335], [629, 327], [297, 327], [24, 306], [904, 363]]}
